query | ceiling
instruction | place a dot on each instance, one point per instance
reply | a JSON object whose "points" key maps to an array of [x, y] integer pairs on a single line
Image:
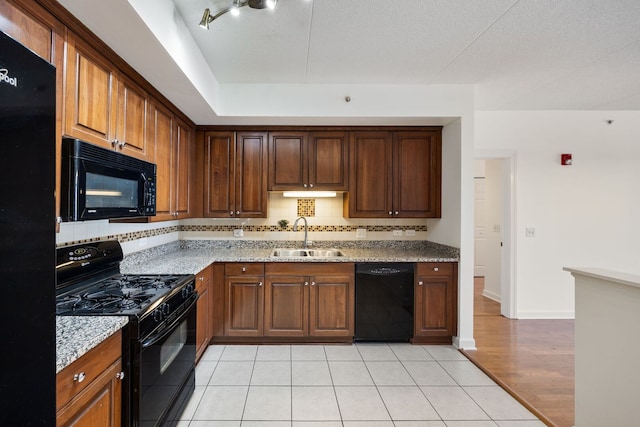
{"points": [[519, 54]]}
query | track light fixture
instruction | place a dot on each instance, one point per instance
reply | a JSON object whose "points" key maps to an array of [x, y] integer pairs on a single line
{"points": [[234, 9]]}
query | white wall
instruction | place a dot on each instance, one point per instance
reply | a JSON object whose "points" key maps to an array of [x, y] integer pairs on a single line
{"points": [[493, 218], [584, 214]]}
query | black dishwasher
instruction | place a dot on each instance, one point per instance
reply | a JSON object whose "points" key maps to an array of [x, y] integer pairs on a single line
{"points": [[384, 302]]}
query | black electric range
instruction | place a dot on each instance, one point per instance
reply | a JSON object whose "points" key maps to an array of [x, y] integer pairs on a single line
{"points": [[159, 340]]}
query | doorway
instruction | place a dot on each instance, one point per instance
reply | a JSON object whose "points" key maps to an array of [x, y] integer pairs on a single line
{"points": [[494, 197]]}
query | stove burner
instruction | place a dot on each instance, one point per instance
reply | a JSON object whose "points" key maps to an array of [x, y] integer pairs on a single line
{"points": [[103, 301]]}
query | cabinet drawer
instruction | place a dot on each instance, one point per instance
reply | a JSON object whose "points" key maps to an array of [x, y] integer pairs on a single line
{"points": [[435, 269], [244, 269], [81, 373]]}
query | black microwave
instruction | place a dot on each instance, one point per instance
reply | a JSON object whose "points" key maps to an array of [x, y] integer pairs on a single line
{"points": [[97, 183]]}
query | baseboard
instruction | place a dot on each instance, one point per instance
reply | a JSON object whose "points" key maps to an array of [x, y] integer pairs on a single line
{"points": [[464, 343], [491, 295], [533, 315]]}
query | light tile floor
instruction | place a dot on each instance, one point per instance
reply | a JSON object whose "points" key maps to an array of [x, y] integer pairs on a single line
{"points": [[363, 385]]}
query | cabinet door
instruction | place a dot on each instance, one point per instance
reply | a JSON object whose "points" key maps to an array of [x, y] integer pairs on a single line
{"points": [[286, 306], [288, 166], [98, 405], [435, 301], [203, 323], [416, 171], [183, 157], [370, 186], [328, 154], [331, 306], [218, 177], [161, 130], [131, 124], [244, 306], [251, 175], [90, 95]]}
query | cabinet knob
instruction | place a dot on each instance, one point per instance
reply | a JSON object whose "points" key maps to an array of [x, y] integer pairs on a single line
{"points": [[313, 283], [306, 283], [237, 212], [115, 142], [120, 375], [397, 212], [304, 185], [121, 144], [244, 269], [231, 213], [390, 213], [201, 278], [420, 283], [311, 185], [435, 269], [79, 377], [259, 283]]}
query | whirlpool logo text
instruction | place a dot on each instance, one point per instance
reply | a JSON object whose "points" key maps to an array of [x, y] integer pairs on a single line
{"points": [[4, 77]]}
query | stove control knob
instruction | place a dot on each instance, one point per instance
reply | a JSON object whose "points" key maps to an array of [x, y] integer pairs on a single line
{"points": [[166, 309], [157, 315]]}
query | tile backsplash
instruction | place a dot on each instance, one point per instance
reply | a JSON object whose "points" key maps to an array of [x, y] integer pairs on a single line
{"points": [[327, 224]]}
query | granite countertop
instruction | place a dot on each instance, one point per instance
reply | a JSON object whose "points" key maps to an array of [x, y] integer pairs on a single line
{"points": [[191, 256], [76, 335]]}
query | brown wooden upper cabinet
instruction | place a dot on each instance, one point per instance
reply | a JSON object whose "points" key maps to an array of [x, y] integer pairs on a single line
{"points": [[394, 174], [102, 106], [235, 175], [174, 156], [308, 161]]}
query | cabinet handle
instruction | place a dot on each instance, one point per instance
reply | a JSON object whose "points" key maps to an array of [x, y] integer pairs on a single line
{"points": [[122, 144], [420, 283], [120, 375], [436, 269], [79, 377], [260, 284], [115, 142]]}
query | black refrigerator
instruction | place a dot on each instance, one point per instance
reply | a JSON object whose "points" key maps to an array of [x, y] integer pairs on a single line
{"points": [[27, 237]]}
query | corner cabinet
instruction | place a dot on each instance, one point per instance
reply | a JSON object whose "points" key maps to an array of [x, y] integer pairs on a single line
{"points": [[394, 174], [308, 161], [435, 305], [89, 391], [234, 174]]}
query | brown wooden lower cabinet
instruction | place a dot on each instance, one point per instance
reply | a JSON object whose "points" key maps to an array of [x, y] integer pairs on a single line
{"points": [[435, 306], [89, 391], [204, 315], [288, 302]]}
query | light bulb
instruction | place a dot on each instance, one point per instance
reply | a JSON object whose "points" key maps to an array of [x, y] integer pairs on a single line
{"points": [[235, 11], [271, 4]]}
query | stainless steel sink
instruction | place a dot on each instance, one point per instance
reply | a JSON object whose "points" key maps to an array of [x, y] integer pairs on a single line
{"points": [[312, 253]]}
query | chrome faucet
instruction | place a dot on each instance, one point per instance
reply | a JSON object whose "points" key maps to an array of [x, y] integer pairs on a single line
{"points": [[306, 226]]}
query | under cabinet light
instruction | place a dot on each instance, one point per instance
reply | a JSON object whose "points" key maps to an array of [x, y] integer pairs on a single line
{"points": [[308, 194]]}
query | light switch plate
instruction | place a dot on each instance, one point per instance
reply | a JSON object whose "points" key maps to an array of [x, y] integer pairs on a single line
{"points": [[410, 232], [530, 232], [361, 233], [397, 232]]}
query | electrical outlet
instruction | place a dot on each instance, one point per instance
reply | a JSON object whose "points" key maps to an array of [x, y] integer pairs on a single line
{"points": [[530, 232], [496, 228], [410, 232], [238, 232], [397, 232], [361, 233]]}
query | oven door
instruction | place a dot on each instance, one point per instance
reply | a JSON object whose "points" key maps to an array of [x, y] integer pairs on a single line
{"points": [[167, 378]]}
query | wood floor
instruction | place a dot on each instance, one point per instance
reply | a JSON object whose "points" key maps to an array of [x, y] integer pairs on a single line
{"points": [[532, 359]]}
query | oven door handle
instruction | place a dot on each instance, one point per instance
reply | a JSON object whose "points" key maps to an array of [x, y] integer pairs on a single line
{"points": [[157, 337]]}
